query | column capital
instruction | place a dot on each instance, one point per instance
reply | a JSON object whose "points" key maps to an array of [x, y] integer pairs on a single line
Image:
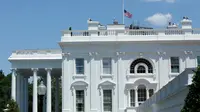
{"points": [[34, 69], [48, 69], [13, 69], [66, 54]]}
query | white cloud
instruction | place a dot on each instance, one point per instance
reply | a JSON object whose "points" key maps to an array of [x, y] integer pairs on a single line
{"points": [[159, 19], [169, 1]]}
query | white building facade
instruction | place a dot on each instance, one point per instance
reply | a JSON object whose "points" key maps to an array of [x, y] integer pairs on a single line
{"points": [[110, 69]]}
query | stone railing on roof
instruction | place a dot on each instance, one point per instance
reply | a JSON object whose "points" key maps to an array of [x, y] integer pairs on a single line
{"points": [[128, 32]]}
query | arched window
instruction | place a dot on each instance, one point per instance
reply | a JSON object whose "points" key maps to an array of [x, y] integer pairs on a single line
{"points": [[141, 69], [142, 96], [141, 60]]}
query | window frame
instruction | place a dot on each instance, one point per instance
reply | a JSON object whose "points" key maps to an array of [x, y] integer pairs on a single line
{"points": [[142, 71], [80, 103], [198, 61], [148, 65], [140, 89], [111, 102], [174, 65], [108, 67], [83, 66], [132, 98]]}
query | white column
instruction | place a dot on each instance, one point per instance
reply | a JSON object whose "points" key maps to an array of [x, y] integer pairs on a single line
{"points": [[57, 95], [44, 97], [48, 89], [136, 98], [22, 93], [18, 90], [147, 92], [26, 94], [35, 98], [128, 98], [13, 94]]}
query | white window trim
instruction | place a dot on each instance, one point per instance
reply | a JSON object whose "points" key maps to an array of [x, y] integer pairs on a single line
{"points": [[74, 91], [137, 75], [101, 69], [112, 90], [170, 70], [75, 75], [141, 64]]}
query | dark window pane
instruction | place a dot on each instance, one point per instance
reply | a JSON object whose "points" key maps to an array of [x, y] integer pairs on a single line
{"points": [[107, 100], [79, 66]]}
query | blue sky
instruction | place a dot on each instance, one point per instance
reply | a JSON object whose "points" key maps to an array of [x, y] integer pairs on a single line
{"points": [[36, 24]]}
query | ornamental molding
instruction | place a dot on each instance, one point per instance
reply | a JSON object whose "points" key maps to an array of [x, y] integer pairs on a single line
{"points": [[93, 53], [66, 54], [34, 69], [161, 53], [188, 52], [120, 53]]}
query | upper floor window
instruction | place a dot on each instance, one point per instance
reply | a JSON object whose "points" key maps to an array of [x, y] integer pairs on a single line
{"points": [[198, 60], [107, 66], [142, 96], [175, 65], [141, 69], [79, 66]]}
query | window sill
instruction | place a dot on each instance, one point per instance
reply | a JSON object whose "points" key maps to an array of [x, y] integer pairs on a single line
{"points": [[107, 76], [79, 76], [140, 75], [173, 74]]}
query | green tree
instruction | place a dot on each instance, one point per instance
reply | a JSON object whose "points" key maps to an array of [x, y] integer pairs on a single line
{"points": [[5, 89], [12, 106], [192, 101]]}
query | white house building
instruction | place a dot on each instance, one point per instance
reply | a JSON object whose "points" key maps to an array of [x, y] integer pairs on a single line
{"points": [[106, 68]]}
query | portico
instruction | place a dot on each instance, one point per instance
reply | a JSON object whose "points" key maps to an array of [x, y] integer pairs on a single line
{"points": [[33, 71], [20, 87]]}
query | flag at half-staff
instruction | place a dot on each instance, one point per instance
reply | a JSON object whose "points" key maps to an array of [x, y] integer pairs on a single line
{"points": [[127, 14]]}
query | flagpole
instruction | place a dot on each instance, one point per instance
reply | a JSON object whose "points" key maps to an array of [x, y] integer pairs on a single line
{"points": [[123, 10]]}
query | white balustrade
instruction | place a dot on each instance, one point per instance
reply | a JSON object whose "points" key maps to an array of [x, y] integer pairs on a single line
{"points": [[129, 32]]}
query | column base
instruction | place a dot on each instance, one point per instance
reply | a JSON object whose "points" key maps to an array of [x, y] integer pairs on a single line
{"points": [[94, 110], [66, 110], [121, 110]]}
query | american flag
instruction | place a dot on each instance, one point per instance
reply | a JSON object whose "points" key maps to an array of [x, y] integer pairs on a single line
{"points": [[127, 14]]}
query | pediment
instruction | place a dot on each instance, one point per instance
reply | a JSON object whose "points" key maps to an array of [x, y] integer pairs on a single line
{"points": [[107, 83], [79, 83]]}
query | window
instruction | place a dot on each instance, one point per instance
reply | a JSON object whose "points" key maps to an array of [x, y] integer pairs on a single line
{"points": [[79, 66], [151, 92], [141, 94], [174, 64], [141, 69], [198, 60], [79, 100], [141, 60], [107, 66], [132, 95], [107, 100]]}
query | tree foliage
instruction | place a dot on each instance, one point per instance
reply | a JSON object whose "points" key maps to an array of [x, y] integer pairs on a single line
{"points": [[13, 107], [192, 101], [5, 89]]}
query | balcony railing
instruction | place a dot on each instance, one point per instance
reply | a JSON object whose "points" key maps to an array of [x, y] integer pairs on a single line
{"points": [[139, 32]]}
